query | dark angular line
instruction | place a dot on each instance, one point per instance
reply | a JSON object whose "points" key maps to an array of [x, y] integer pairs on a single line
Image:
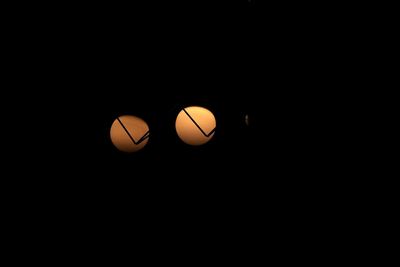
{"points": [[146, 135], [198, 126]]}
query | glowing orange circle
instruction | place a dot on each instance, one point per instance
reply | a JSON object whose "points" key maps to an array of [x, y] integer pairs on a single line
{"points": [[195, 125], [129, 133]]}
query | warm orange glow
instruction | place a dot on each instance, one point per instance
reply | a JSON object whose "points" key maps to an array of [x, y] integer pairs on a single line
{"points": [[193, 134], [129, 133]]}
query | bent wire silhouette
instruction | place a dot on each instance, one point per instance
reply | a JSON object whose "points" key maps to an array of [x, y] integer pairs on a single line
{"points": [[198, 126], [144, 137]]}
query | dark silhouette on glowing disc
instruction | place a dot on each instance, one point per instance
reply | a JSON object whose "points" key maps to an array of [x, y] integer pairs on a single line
{"points": [[195, 125], [129, 133]]}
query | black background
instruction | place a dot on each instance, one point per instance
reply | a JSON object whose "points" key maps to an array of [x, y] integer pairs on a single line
{"points": [[168, 57], [235, 58], [152, 59], [275, 62]]}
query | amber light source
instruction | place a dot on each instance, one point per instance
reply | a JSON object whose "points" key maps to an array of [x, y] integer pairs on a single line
{"points": [[129, 133], [195, 125]]}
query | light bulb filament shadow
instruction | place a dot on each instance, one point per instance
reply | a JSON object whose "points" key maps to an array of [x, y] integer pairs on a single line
{"points": [[198, 126], [144, 137]]}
